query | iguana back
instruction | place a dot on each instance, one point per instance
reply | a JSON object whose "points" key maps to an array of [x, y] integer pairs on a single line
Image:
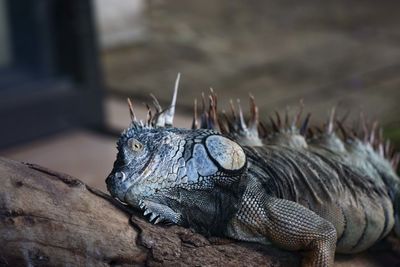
{"points": [[357, 205]]}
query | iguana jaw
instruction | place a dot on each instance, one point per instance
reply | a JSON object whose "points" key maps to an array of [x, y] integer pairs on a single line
{"points": [[115, 187], [144, 198], [136, 194], [159, 213], [158, 205], [126, 189]]}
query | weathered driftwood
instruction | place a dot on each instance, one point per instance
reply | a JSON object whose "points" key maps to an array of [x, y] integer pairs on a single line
{"points": [[52, 219]]}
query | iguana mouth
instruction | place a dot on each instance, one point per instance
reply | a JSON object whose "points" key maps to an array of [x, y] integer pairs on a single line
{"points": [[159, 212], [147, 210]]}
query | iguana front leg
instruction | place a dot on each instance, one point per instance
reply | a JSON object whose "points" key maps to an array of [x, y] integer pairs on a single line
{"points": [[286, 224]]}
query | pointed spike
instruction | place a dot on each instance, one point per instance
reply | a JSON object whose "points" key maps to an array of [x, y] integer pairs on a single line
{"points": [[286, 117], [228, 121], [274, 126], [146, 212], [254, 121], [304, 126], [319, 130], [296, 119], [395, 161], [342, 130], [387, 148], [159, 119], [149, 117], [131, 111], [156, 104], [216, 108], [158, 220], [310, 133], [204, 114], [331, 121], [159, 116], [223, 123], [152, 217], [381, 150], [215, 97], [356, 127], [215, 114], [263, 130], [210, 103], [372, 134], [364, 127], [242, 124], [169, 114], [345, 117], [204, 121], [380, 135], [353, 134], [203, 103], [212, 114], [392, 152], [213, 94], [233, 110], [278, 119], [195, 123]]}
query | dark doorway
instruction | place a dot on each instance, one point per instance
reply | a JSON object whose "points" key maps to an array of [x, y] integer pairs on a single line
{"points": [[50, 77]]}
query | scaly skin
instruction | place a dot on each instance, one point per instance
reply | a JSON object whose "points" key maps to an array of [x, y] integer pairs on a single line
{"points": [[318, 195]]}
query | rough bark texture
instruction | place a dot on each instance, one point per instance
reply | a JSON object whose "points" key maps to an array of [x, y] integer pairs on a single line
{"points": [[52, 219]]}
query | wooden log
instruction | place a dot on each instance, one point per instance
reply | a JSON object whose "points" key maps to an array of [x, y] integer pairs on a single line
{"points": [[51, 219]]}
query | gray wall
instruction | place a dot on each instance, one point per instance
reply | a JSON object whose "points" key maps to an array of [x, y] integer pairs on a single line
{"points": [[120, 21]]}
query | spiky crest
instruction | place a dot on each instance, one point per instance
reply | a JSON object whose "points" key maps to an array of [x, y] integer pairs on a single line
{"points": [[254, 132]]}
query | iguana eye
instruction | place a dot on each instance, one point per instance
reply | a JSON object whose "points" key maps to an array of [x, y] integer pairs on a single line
{"points": [[135, 145]]}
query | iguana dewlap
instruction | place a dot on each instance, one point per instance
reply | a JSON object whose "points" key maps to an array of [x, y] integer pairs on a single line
{"points": [[315, 193]]}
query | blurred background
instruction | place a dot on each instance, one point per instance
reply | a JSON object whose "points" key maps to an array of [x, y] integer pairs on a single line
{"points": [[67, 66]]}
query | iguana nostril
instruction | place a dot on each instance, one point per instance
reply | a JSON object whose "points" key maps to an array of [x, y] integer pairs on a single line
{"points": [[120, 176]]}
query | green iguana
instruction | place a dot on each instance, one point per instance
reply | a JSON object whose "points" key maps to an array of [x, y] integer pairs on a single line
{"points": [[281, 184]]}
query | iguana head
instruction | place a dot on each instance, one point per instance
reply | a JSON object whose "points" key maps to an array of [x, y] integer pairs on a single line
{"points": [[174, 174], [172, 167]]}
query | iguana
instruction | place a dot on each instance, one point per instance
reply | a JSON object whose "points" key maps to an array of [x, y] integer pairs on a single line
{"points": [[282, 184]]}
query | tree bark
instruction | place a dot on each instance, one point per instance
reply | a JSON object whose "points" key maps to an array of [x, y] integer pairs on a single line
{"points": [[51, 219]]}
